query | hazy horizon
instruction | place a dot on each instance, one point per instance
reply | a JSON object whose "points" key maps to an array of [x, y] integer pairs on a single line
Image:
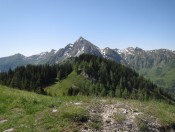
{"points": [[34, 26]]}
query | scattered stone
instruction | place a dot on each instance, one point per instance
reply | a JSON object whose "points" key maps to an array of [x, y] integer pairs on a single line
{"points": [[77, 103], [121, 117], [109, 116], [85, 128], [93, 111], [137, 113], [2, 121], [54, 110], [9, 130], [135, 110], [108, 121], [129, 125], [123, 110]]}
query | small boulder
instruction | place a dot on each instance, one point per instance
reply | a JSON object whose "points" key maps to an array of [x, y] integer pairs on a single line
{"points": [[54, 110], [9, 130], [108, 121], [2, 121]]}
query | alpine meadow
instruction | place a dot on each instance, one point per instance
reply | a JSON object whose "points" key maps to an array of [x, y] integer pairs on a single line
{"points": [[87, 66]]}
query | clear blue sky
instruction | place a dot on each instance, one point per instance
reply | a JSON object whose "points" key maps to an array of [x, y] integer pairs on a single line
{"points": [[33, 26]]}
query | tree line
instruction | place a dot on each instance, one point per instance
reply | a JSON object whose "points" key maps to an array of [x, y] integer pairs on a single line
{"points": [[108, 78], [103, 78], [34, 77]]}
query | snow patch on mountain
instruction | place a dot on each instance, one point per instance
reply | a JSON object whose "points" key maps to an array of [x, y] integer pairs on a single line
{"points": [[119, 51], [67, 54], [80, 51], [130, 51], [81, 39], [160, 50], [102, 51], [71, 45]]}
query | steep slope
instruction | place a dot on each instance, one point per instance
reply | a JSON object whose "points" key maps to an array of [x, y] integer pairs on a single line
{"points": [[112, 55], [83, 46], [72, 50]]}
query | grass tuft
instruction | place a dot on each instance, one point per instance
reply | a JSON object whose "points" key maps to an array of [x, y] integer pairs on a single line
{"points": [[119, 118]]}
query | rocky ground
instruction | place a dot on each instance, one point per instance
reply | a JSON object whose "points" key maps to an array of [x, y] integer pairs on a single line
{"points": [[120, 117], [112, 117]]}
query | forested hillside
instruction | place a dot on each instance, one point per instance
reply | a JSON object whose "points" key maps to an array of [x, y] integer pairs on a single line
{"points": [[107, 78], [102, 77], [34, 77]]}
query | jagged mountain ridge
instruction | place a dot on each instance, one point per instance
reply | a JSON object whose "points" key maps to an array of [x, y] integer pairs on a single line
{"points": [[72, 50], [148, 58], [137, 58]]}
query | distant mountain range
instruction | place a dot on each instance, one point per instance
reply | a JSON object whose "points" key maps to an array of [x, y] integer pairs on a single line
{"points": [[158, 65]]}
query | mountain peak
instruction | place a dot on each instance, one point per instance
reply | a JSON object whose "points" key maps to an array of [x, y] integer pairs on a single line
{"points": [[81, 38], [137, 48], [107, 48], [19, 55], [82, 41], [52, 50]]}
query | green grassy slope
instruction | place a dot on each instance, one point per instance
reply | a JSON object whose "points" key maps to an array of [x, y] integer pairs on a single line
{"points": [[163, 76], [21, 109], [27, 111], [61, 88]]}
